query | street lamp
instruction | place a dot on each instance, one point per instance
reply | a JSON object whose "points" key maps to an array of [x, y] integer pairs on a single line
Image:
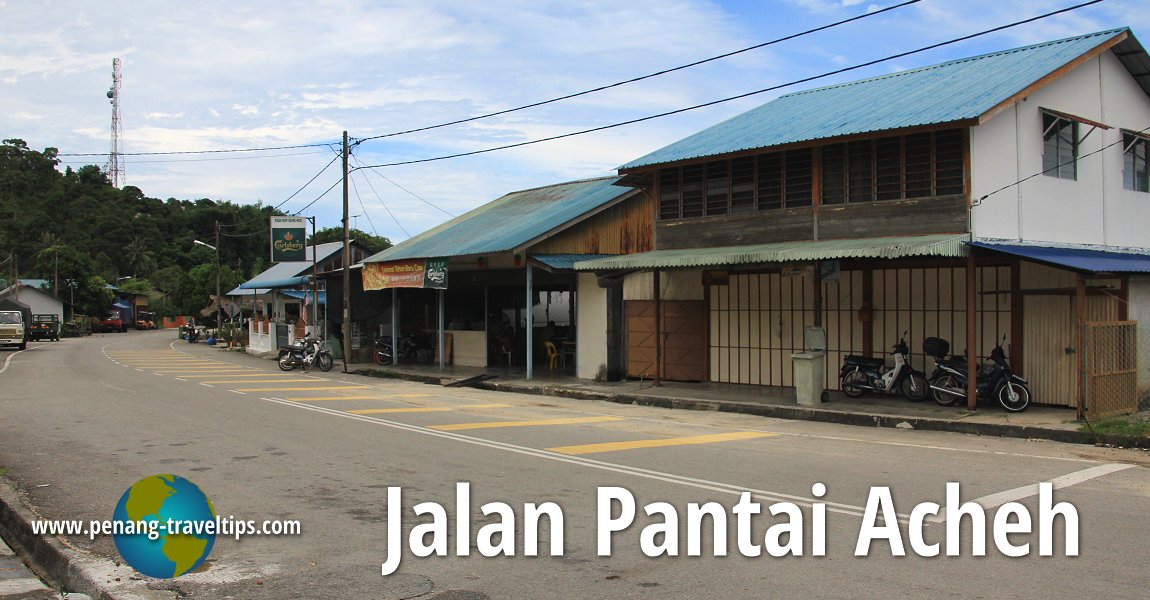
{"points": [[219, 302]]}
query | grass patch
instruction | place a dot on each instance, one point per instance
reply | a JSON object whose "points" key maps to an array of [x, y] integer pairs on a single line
{"points": [[3, 470], [1137, 427]]}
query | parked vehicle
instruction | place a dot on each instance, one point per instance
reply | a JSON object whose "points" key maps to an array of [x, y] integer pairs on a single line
{"points": [[995, 380], [862, 374], [12, 330], [383, 350], [112, 322], [305, 353], [145, 320], [45, 327]]}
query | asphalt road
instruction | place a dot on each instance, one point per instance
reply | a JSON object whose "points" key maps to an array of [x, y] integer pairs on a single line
{"points": [[82, 419]]}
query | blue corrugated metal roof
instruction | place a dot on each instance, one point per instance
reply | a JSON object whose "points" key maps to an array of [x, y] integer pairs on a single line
{"points": [[949, 92], [1078, 259], [509, 222], [566, 261]]}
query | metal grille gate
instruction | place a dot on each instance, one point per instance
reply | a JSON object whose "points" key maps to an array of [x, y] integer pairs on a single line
{"points": [[1110, 368]]}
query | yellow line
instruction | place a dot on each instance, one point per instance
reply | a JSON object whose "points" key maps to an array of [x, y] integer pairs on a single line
{"points": [[203, 370], [425, 409], [319, 398], [570, 421], [407, 395], [302, 389], [258, 380], [682, 441], [222, 374]]}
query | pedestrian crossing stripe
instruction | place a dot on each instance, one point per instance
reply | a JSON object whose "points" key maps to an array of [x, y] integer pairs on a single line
{"points": [[538, 423], [661, 443], [423, 409]]}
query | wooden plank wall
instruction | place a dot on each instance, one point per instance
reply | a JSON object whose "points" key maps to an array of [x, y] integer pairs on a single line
{"points": [[626, 228]]}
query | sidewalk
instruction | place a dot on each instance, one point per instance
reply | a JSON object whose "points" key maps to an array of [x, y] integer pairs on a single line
{"points": [[1037, 422], [18, 583]]}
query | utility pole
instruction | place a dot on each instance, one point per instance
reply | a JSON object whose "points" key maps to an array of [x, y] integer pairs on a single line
{"points": [[346, 264], [219, 300]]}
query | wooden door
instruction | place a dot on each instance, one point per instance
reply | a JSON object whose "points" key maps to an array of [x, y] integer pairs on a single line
{"points": [[684, 331]]}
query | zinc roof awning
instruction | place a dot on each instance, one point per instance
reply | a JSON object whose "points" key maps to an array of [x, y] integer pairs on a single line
{"points": [[287, 282], [945, 245], [1088, 260]]}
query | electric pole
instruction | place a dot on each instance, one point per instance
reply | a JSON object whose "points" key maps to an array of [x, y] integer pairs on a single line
{"points": [[346, 264], [115, 167]]}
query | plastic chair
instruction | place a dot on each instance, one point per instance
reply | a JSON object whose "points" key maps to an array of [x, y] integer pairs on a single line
{"points": [[553, 356]]}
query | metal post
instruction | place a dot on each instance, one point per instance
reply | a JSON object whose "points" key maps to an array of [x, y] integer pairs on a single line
{"points": [[530, 322], [394, 326], [314, 281], [658, 331], [1080, 362], [442, 350]]}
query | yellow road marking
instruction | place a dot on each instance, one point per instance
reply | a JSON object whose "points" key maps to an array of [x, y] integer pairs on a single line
{"points": [[424, 409], [332, 398], [681, 441], [541, 422], [303, 389], [204, 370], [224, 374], [281, 380], [407, 396]]}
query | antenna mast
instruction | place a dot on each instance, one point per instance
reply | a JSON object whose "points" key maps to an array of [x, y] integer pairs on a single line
{"points": [[115, 168]]}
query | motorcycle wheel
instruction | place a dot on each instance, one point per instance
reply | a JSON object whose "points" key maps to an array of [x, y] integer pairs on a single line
{"points": [[285, 361], [916, 388], [948, 382], [850, 384], [324, 361], [1021, 398], [381, 357]]}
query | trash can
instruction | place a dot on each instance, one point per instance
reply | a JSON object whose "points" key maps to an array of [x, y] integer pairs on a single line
{"points": [[810, 368]]}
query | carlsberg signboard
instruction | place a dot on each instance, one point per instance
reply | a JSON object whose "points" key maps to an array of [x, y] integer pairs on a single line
{"points": [[288, 235]]}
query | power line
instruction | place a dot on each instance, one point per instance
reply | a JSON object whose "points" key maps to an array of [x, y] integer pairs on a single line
{"points": [[393, 182], [308, 205], [188, 160], [643, 77], [362, 207], [740, 96], [1054, 168], [384, 205], [321, 172], [267, 148]]}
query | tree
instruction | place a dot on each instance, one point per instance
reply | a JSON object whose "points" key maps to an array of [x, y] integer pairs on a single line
{"points": [[198, 285], [373, 243]]}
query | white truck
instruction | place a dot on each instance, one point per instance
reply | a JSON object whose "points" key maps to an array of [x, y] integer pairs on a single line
{"points": [[13, 329]]}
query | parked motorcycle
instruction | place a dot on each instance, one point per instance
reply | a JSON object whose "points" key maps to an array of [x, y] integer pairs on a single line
{"points": [[995, 382], [862, 374], [383, 350], [305, 353]]}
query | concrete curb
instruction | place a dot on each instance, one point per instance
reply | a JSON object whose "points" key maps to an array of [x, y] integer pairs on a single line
{"points": [[794, 413], [53, 561]]}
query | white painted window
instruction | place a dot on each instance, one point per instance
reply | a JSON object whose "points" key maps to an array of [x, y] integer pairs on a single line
{"points": [[1135, 162], [1059, 147]]}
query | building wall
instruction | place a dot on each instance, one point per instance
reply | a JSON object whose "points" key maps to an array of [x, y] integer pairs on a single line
{"points": [[40, 303], [591, 335], [1094, 209], [676, 285], [626, 228], [1139, 310]]}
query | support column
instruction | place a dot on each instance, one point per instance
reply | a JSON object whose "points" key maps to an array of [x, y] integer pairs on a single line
{"points": [[530, 322], [658, 332], [394, 326], [971, 352], [442, 350], [1079, 325]]}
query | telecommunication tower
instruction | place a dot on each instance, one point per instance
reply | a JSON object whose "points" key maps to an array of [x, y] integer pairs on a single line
{"points": [[115, 168]]}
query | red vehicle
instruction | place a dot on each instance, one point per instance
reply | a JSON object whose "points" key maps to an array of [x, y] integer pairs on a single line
{"points": [[112, 322]]}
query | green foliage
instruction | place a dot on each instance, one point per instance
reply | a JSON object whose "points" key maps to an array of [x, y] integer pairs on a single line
{"points": [[196, 287], [74, 227], [373, 243], [1137, 425]]}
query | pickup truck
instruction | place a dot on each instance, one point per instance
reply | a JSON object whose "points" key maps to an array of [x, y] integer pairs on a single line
{"points": [[112, 322], [45, 327], [12, 332]]}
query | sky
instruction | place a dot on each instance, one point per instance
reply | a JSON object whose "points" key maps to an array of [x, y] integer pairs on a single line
{"points": [[212, 75]]}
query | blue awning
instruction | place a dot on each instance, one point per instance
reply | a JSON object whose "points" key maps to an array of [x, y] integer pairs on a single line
{"points": [[1078, 259], [120, 305], [300, 295], [288, 282]]}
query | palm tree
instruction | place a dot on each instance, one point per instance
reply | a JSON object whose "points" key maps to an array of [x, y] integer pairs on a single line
{"points": [[50, 247], [140, 257]]}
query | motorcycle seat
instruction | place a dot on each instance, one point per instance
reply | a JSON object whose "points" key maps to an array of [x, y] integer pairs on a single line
{"points": [[863, 361]]}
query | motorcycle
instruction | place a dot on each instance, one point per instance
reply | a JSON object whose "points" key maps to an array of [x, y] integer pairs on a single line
{"points": [[304, 354], [862, 374], [383, 350], [995, 380]]}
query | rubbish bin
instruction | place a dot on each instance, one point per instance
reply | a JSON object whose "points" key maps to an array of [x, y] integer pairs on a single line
{"points": [[810, 368]]}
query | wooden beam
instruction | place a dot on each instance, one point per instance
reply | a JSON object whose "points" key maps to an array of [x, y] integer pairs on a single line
{"points": [[1079, 324], [971, 339], [658, 331], [1017, 350]]}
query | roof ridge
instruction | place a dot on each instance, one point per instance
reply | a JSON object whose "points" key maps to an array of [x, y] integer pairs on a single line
{"points": [[968, 59]]}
